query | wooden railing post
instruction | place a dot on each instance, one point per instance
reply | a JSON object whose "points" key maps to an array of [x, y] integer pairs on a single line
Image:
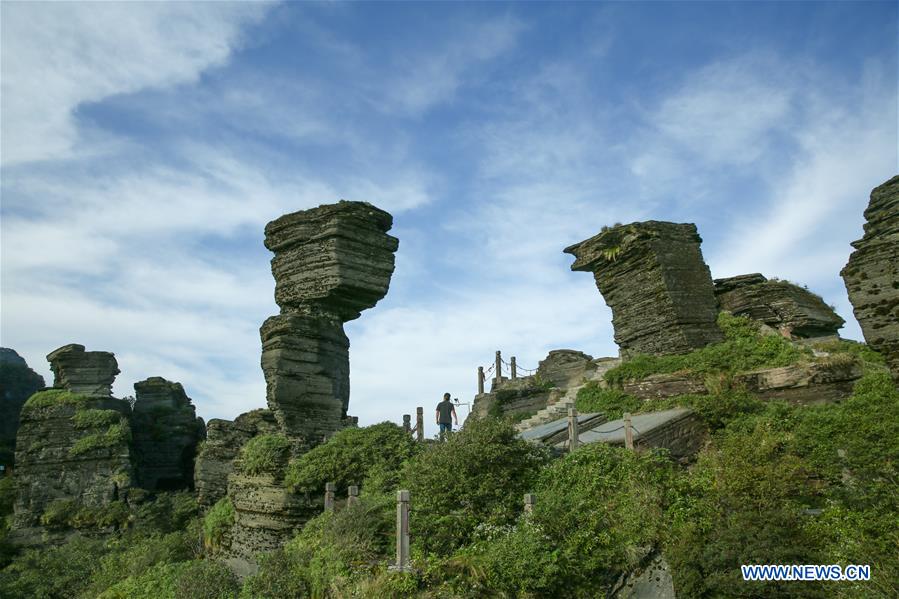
{"points": [[572, 429], [352, 497], [407, 423], [420, 423], [480, 380], [330, 488], [514, 368], [402, 531], [499, 368], [529, 500], [628, 431]]}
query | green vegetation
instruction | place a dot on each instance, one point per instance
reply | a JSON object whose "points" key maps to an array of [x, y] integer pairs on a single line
{"points": [[613, 402], [370, 457], [52, 398], [744, 348], [114, 436], [95, 418], [265, 454], [217, 522]]}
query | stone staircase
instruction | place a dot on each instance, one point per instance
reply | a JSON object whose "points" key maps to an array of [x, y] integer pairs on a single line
{"points": [[562, 399]]}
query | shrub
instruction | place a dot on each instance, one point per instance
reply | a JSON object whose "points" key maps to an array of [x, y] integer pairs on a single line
{"points": [[217, 523], [351, 457], [206, 579], [58, 513], [744, 348], [168, 512], [478, 475], [95, 418], [59, 572], [159, 582], [264, 454], [612, 402], [132, 555], [280, 576], [114, 436]]}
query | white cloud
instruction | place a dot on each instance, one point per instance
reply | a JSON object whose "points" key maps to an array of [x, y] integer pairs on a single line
{"points": [[58, 56]]}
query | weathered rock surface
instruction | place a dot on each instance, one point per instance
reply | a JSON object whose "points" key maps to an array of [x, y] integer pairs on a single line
{"points": [[872, 274], [330, 263], [166, 432], [83, 372], [306, 364], [69, 451], [566, 368], [337, 258], [224, 438], [17, 383], [781, 305], [653, 277]]}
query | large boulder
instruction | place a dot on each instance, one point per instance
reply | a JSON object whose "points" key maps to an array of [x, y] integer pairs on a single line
{"points": [[653, 277], [781, 305], [88, 373], [872, 274]]}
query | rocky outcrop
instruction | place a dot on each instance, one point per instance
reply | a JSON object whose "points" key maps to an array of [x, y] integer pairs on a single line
{"points": [[83, 372], [872, 274], [653, 277], [72, 456], [17, 383], [224, 438], [565, 368], [166, 432], [794, 311], [330, 263]]}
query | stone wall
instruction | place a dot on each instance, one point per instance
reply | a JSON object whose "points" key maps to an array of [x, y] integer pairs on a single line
{"points": [[653, 277], [17, 383], [166, 432], [794, 311], [872, 274]]}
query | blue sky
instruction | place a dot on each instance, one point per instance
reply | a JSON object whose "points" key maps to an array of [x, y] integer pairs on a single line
{"points": [[145, 146]]}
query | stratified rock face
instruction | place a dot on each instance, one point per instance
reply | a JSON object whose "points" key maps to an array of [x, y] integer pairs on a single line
{"points": [[779, 304], [71, 449], [83, 372], [653, 277], [872, 274], [224, 438], [336, 258], [565, 367], [17, 383], [330, 263], [166, 432], [306, 364]]}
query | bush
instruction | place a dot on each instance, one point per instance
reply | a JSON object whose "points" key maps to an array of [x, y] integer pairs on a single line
{"points": [[206, 579], [612, 402], [744, 348], [478, 475], [159, 582], [351, 457], [264, 454], [280, 576], [217, 523], [132, 555], [168, 512], [53, 573]]}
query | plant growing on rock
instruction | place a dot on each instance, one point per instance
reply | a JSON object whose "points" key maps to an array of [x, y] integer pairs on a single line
{"points": [[264, 454], [217, 523]]}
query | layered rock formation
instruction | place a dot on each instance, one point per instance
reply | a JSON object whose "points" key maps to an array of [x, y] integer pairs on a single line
{"points": [[653, 277], [565, 368], [72, 448], [224, 438], [17, 383], [166, 432], [781, 305], [872, 274], [330, 263], [83, 372]]}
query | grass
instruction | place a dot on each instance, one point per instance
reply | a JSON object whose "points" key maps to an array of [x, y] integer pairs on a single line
{"points": [[95, 418], [52, 398], [216, 523], [115, 435], [265, 454]]}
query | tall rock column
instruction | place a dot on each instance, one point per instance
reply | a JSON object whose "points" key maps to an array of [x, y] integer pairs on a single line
{"points": [[17, 383], [330, 263], [872, 274], [653, 277]]}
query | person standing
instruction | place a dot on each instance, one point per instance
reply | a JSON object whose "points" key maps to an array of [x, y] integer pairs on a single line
{"points": [[446, 415]]}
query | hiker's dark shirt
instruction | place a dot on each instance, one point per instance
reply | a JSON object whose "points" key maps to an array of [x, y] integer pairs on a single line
{"points": [[445, 410]]}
